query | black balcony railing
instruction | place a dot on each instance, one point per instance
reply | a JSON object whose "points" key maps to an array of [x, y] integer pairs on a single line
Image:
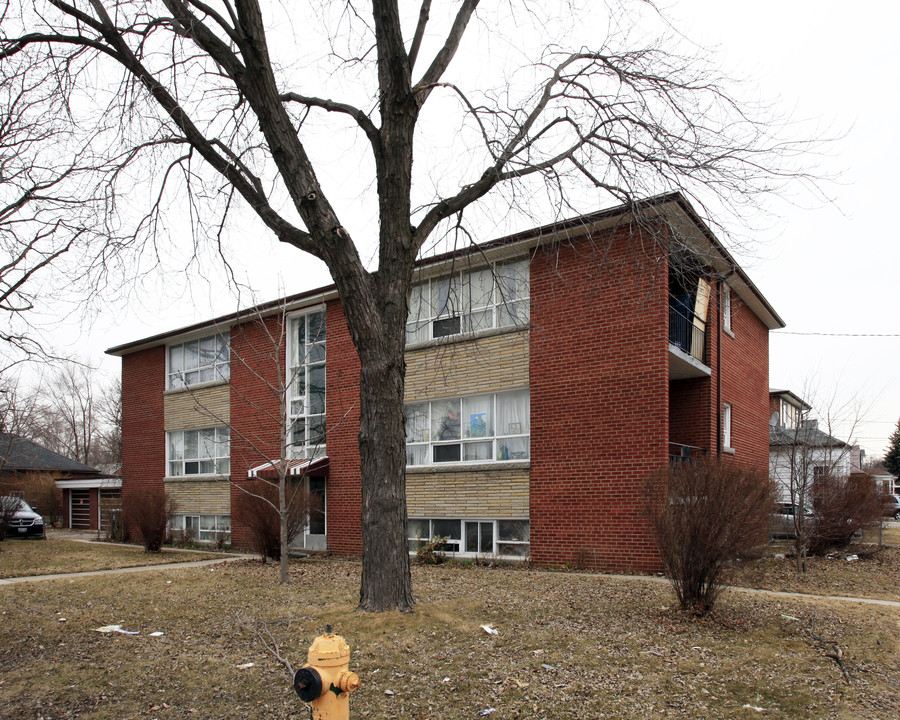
{"points": [[687, 335], [679, 453]]}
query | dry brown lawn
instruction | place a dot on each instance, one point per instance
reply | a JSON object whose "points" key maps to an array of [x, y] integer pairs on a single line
{"points": [[569, 646], [25, 558]]}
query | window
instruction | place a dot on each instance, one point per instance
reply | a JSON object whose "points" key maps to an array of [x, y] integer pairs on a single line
{"points": [[478, 428], [469, 301], [306, 394], [472, 537], [726, 309], [726, 426], [204, 528], [790, 415], [199, 361], [200, 452]]}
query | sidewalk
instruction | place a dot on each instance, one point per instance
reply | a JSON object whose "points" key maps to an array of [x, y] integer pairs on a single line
{"points": [[631, 578], [134, 569]]}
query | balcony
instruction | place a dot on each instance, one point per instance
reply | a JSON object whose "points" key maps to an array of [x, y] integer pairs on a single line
{"points": [[679, 453], [687, 347]]}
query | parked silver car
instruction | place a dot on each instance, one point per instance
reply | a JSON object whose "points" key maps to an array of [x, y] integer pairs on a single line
{"points": [[782, 522], [892, 506], [17, 519]]}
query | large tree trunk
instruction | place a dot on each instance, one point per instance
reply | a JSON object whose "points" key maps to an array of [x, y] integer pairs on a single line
{"points": [[386, 581]]}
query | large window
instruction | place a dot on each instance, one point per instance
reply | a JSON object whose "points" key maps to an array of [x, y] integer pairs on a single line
{"points": [[306, 401], [726, 309], [477, 428], [204, 528], [200, 452], [469, 301], [199, 361], [472, 537]]}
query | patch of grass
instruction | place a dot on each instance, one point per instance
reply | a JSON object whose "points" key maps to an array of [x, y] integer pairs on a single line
{"points": [[25, 558], [569, 646], [875, 574]]}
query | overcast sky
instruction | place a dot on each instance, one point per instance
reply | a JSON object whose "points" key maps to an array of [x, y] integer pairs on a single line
{"points": [[830, 270]]}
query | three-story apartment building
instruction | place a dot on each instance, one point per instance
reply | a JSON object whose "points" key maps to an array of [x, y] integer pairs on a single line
{"points": [[549, 373]]}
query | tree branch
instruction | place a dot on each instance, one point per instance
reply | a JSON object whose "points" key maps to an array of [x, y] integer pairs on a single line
{"points": [[420, 33], [445, 55]]}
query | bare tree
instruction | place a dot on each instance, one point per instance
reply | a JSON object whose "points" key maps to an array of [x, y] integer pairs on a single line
{"points": [[108, 450], [274, 357], [810, 465], [222, 101], [71, 411], [48, 216]]}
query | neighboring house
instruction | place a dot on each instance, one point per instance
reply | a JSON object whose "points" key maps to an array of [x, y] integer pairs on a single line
{"points": [[798, 449], [549, 373], [40, 474]]}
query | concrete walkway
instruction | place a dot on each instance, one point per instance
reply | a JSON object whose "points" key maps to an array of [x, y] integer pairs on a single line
{"points": [[135, 569], [90, 537]]}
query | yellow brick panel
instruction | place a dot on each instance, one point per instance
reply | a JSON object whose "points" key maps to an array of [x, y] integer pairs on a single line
{"points": [[485, 494], [198, 408], [485, 364], [195, 497]]}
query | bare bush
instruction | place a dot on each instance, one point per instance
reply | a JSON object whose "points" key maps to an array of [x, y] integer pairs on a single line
{"points": [[261, 516], [706, 513], [842, 508], [150, 514], [42, 493], [8, 507]]}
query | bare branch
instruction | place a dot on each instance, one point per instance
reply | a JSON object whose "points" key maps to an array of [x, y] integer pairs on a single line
{"points": [[419, 34], [445, 55]]}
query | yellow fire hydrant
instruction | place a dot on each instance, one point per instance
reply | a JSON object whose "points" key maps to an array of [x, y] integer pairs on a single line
{"points": [[325, 682]]}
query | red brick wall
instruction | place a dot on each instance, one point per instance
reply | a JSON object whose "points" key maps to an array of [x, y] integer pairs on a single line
{"points": [[694, 404], [745, 385], [258, 372], [599, 402], [143, 431], [691, 417], [256, 429], [342, 489]]}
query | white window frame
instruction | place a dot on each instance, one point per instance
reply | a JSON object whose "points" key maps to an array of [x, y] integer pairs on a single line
{"points": [[446, 306], [726, 427], [508, 444], [303, 363], [726, 309], [177, 443], [456, 531], [221, 525], [216, 369], [790, 415]]}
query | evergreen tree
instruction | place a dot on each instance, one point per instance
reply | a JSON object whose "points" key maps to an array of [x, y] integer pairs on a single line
{"points": [[892, 456]]}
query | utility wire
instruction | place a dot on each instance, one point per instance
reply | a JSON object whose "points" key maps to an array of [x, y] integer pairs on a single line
{"points": [[824, 334]]}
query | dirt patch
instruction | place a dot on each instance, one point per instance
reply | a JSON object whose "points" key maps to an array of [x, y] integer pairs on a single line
{"points": [[875, 573], [569, 646]]}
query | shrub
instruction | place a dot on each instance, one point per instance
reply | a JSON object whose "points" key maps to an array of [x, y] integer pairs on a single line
{"points": [[150, 513], [842, 509], [115, 528], [261, 517], [705, 513], [8, 506], [430, 552]]}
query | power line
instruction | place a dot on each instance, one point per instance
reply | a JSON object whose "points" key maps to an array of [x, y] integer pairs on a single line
{"points": [[825, 334]]}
